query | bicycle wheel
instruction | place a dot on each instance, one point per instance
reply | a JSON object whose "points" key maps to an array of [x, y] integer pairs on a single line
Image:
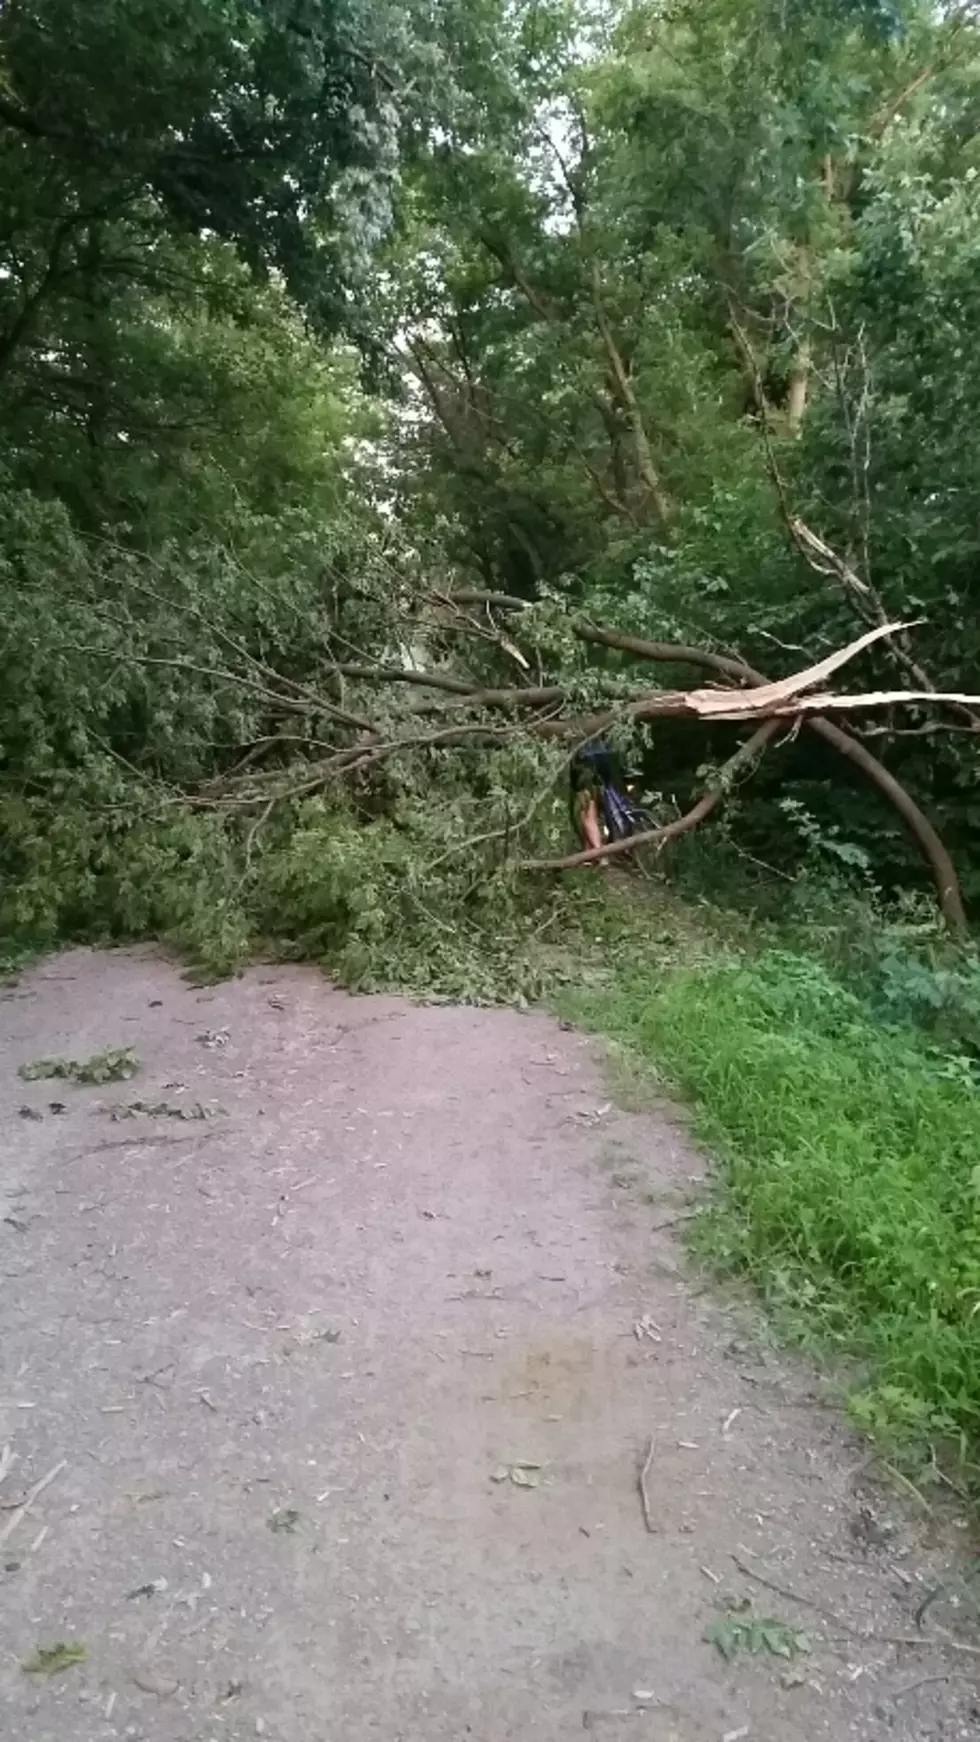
{"points": [[616, 814], [640, 820]]}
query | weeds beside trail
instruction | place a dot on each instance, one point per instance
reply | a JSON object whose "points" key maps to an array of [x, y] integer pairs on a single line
{"points": [[849, 1177]]}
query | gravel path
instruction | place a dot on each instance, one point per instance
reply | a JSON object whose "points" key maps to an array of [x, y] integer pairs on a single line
{"points": [[348, 1386]]}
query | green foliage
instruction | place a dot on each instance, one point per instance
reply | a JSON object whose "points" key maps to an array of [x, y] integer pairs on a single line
{"points": [[264, 124], [740, 1630], [115, 1065], [55, 1659], [848, 1184], [194, 1111], [660, 237]]}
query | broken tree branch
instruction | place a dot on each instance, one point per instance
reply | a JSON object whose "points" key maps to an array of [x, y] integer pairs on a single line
{"points": [[815, 552], [825, 561], [481, 596], [738, 671], [542, 696]]}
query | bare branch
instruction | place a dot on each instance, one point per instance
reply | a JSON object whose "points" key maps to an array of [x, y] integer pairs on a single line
{"points": [[478, 596], [862, 594]]}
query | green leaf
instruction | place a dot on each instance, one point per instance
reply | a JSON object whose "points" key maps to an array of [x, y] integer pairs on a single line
{"points": [[727, 1634], [53, 1659], [284, 1521], [114, 1065]]}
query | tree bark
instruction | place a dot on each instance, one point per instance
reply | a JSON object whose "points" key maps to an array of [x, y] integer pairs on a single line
{"points": [[799, 388], [486, 596], [620, 377]]}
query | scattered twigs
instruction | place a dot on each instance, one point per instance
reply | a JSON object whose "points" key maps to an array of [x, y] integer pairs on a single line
{"points": [[943, 1642], [675, 1221], [936, 1642], [642, 1481], [29, 1501], [925, 1681], [786, 1592]]}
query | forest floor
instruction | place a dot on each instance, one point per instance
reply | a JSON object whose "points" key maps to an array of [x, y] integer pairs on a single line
{"points": [[378, 1400]]}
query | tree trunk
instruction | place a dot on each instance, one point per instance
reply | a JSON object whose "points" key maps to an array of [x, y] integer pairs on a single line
{"points": [[620, 377], [799, 387]]}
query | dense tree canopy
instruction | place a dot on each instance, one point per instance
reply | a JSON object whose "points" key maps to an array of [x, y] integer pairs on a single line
{"points": [[322, 321], [692, 272]]}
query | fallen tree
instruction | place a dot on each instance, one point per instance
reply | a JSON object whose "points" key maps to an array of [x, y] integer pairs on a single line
{"points": [[315, 735]]}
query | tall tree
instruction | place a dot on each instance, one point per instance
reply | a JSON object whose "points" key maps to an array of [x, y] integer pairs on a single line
{"points": [[271, 123]]}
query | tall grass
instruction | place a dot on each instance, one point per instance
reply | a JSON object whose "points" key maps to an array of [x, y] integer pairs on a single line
{"points": [[849, 1171]]}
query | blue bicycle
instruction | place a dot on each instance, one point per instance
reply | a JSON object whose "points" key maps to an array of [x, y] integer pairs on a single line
{"points": [[596, 789]]}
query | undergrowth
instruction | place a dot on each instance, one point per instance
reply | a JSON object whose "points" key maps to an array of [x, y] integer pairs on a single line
{"points": [[848, 1186]]}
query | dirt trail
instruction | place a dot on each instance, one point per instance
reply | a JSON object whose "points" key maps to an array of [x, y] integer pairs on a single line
{"points": [[286, 1350]]}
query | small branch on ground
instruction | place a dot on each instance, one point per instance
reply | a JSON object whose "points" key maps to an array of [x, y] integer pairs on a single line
{"points": [[644, 1491], [29, 1501], [941, 1643]]}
